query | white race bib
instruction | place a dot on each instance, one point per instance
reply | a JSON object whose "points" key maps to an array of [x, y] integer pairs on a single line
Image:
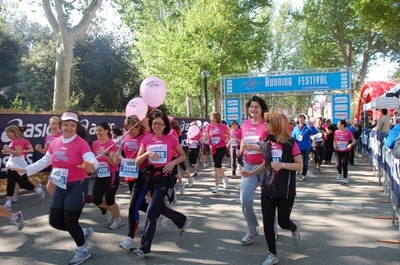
{"points": [[128, 168], [215, 140], [161, 151], [59, 176], [103, 171], [193, 144], [342, 145], [318, 137], [300, 138], [276, 155], [253, 140], [234, 143]]}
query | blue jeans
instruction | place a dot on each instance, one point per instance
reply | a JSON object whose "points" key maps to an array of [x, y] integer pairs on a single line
{"points": [[305, 154], [248, 187]]}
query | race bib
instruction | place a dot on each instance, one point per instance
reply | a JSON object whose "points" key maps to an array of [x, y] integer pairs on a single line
{"points": [[342, 145], [234, 143], [59, 176], [128, 168], [215, 140], [300, 138], [193, 144], [103, 171], [161, 151], [253, 140], [318, 137], [276, 155]]}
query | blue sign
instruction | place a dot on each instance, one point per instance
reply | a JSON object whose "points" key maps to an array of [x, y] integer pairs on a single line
{"points": [[288, 83], [340, 107], [232, 110]]}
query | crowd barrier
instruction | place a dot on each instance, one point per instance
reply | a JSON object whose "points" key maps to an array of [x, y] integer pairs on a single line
{"points": [[385, 166]]}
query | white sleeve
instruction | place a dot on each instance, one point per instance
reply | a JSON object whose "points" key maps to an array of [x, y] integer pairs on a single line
{"points": [[89, 157], [39, 165]]}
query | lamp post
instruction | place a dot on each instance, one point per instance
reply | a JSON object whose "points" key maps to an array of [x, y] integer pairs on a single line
{"points": [[205, 74]]}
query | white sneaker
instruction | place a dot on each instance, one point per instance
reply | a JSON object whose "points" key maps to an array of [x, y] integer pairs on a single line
{"points": [[160, 222], [338, 176], [127, 244], [271, 259], [40, 192], [225, 183], [191, 180], [215, 190], [345, 181], [205, 165], [182, 188], [14, 199], [80, 257], [248, 238], [116, 224], [142, 225], [18, 220], [8, 206]]}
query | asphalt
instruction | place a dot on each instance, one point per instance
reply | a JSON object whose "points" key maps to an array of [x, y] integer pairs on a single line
{"points": [[338, 226]]}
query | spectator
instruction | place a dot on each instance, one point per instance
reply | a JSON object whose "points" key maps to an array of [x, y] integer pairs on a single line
{"points": [[393, 133], [383, 124]]}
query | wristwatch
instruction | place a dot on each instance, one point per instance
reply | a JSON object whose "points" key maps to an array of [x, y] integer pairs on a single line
{"points": [[283, 165]]}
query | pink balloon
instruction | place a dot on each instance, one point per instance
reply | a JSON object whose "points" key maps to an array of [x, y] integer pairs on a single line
{"points": [[138, 107], [153, 90], [322, 103], [193, 130], [315, 108]]}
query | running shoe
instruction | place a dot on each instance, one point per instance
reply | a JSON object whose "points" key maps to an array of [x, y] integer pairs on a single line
{"points": [[195, 174], [182, 229], [271, 259], [14, 199], [142, 225], [248, 238], [205, 165], [103, 211], [8, 206], [80, 257], [338, 176], [127, 244], [225, 183], [140, 253], [215, 190], [345, 181], [190, 184], [296, 234], [18, 220], [116, 224], [40, 192], [160, 222], [182, 188]]}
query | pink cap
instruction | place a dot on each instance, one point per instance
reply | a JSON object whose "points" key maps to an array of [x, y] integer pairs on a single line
{"points": [[69, 116]]}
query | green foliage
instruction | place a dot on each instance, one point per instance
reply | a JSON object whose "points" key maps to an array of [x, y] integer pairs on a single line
{"points": [[17, 103]]}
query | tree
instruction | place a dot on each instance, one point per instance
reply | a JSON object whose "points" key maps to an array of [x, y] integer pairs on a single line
{"points": [[57, 13]]}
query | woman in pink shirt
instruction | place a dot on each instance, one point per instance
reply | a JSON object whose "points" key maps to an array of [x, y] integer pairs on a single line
{"points": [[157, 150], [218, 135], [234, 144], [342, 148], [55, 124], [193, 143], [17, 160], [70, 157], [107, 180], [253, 132]]}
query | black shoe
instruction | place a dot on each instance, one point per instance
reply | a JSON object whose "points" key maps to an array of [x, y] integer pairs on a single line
{"points": [[103, 211]]}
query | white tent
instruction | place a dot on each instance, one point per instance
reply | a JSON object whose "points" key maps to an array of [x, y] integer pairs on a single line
{"points": [[384, 102]]}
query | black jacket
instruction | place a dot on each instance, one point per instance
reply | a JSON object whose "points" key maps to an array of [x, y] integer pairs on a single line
{"points": [[282, 185]]}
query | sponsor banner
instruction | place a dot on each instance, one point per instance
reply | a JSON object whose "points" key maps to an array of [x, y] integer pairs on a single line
{"points": [[288, 83], [340, 107], [38, 129], [232, 110]]}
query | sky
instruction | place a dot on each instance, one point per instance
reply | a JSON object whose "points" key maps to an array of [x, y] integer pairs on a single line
{"points": [[381, 71]]}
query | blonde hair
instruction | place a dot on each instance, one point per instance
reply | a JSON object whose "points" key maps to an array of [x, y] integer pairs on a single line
{"points": [[134, 121], [279, 126], [176, 126], [15, 130]]}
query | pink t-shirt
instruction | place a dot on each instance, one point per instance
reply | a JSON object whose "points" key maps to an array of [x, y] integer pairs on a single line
{"points": [[163, 146], [217, 134], [131, 147], [253, 134], [16, 142], [236, 137], [175, 134], [97, 147], [342, 140], [276, 151], [49, 138], [69, 156], [204, 139], [25, 147], [194, 141]]}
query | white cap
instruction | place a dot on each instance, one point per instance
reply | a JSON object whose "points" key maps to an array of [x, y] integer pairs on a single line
{"points": [[69, 116]]}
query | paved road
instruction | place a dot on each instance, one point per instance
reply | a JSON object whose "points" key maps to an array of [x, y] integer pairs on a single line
{"points": [[337, 227]]}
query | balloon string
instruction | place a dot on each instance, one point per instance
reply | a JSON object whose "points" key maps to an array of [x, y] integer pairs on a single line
{"points": [[122, 137]]}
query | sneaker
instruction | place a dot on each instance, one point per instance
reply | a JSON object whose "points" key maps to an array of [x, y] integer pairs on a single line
{"points": [[215, 190], [182, 188], [345, 181], [8, 206], [40, 192], [303, 177], [190, 182], [140, 253], [195, 174], [248, 238], [205, 165], [14, 199], [225, 183], [315, 171], [127, 244], [318, 170], [296, 234], [160, 222], [142, 225], [103, 211], [80, 257], [116, 224], [338, 176], [213, 164], [123, 183], [271, 259], [87, 233], [18, 220]]}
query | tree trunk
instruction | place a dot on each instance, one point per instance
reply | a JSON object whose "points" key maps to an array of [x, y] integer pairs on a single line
{"points": [[62, 77]]}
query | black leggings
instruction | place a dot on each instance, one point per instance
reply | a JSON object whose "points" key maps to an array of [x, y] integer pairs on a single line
{"points": [[342, 161], [138, 202], [219, 156], [193, 154], [23, 181], [268, 208], [106, 187], [318, 154]]}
